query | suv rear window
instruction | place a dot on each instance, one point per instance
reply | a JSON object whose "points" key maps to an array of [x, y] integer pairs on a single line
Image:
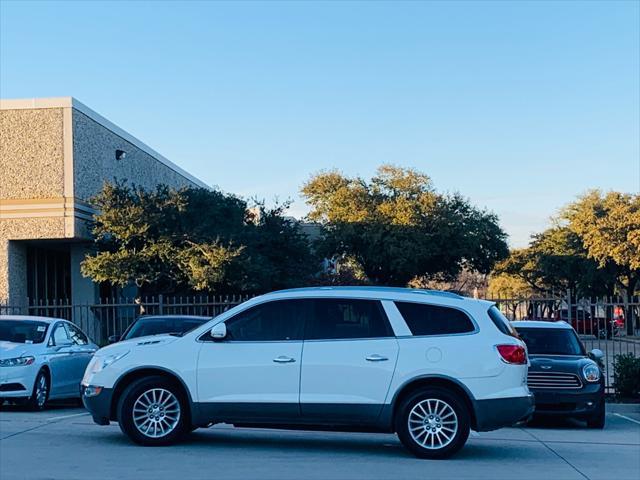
{"points": [[425, 319], [501, 322]]}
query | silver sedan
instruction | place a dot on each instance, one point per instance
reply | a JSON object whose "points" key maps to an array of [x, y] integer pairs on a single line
{"points": [[41, 359]]}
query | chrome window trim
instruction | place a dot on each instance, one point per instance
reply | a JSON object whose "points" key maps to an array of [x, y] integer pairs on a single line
{"points": [[309, 297]]}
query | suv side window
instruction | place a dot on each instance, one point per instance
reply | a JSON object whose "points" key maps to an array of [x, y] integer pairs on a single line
{"points": [[335, 318], [76, 335], [423, 319], [278, 320]]}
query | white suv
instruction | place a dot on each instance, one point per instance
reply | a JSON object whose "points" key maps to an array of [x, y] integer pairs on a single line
{"points": [[428, 365]]}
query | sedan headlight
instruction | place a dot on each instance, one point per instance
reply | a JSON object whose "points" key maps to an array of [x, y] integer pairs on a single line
{"points": [[591, 372], [98, 364], [17, 362]]}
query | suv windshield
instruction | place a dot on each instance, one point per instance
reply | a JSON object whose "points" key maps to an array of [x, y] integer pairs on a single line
{"points": [[162, 325], [551, 341], [22, 331]]}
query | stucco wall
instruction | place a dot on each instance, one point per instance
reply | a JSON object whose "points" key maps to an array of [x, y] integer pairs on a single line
{"points": [[31, 153], [32, 168], [94, 161]]}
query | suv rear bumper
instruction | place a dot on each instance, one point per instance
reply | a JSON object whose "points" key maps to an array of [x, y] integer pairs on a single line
{"points": [[502, 412]]}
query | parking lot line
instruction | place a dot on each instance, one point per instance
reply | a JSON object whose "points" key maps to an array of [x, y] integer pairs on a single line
{"points": [[627, 418], [62, 417], [555, 453]]}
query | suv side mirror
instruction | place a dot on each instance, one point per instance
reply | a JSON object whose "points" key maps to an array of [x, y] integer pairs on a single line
{"points": [[113, 339], [219, 331], [596, 354]]}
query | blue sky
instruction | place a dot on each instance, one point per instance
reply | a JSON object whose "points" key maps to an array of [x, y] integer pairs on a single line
{"points": [[519, 106]]}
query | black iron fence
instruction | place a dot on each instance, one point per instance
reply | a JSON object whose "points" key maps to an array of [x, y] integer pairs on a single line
{"points": [[609, 324], [112, 316]]}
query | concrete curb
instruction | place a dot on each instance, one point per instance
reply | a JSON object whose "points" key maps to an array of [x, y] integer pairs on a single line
{"points": [[623, 407]]}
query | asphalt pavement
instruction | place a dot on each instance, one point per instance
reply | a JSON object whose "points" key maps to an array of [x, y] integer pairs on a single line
{"points": [[63, 443]]}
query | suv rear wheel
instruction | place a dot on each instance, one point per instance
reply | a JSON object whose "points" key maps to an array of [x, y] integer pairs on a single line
{"points": [[433, 423], [153, 411]]}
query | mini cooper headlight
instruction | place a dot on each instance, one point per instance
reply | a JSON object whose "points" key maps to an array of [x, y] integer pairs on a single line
{"points": [[17, 362], [591, 372]]}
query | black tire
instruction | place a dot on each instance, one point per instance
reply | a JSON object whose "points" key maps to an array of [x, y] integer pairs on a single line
{"points": [[38, 401], [136, 391], [433, 396], [597, 419]]}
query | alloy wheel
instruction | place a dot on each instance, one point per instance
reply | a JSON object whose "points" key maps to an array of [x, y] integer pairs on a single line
{"points": [[156, 412], [41, 391], [433, 423]]}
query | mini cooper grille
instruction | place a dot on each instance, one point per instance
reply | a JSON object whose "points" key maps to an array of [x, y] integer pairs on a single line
{"points": [[553, 380]]}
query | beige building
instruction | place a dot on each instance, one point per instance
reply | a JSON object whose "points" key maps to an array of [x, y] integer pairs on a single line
{"points": [[55, 154]]}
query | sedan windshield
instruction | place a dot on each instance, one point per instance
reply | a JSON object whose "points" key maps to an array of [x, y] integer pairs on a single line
{"points": [[551, 341], [162, 325], [22, 331]]}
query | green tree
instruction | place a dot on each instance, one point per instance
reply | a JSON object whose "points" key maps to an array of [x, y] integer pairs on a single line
{"points": [[397, 227], [181, 241], [555, 261], [508, 286], [609, 227]]}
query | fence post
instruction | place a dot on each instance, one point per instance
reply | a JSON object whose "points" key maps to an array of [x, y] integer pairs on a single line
{"points": [[160, 306]]}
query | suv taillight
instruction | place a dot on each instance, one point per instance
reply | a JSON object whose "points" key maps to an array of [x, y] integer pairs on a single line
{"points": [[514, 354]]}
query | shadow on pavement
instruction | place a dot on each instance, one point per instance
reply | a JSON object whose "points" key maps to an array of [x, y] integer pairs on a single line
{"points": [[295, 442], [52, 406], [541, 421]]}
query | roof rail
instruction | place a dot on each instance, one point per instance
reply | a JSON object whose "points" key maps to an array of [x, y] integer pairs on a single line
{"points": [[417, 291]]}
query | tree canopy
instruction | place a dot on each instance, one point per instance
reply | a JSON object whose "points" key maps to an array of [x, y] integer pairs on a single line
{"points": [[397, 227], [168, 240], [556, 260], [593, 249], [609, 227]]}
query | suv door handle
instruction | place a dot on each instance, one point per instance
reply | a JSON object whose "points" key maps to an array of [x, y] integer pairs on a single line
{"points": [[283, 359], [376, 358]]}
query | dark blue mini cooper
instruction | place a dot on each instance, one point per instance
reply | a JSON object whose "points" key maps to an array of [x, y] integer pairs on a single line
{"points": [[564, 378]]}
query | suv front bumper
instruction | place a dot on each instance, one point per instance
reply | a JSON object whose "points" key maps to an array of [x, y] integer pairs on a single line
{"points": [[99, 405], [502, 412]]}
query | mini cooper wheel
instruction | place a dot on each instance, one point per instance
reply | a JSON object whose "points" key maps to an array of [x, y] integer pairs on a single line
{"points": [[433, 423], [40, 394], [152, 411]]}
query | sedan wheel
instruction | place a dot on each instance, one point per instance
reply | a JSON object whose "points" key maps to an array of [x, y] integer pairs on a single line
{"points": [[40, 394]]}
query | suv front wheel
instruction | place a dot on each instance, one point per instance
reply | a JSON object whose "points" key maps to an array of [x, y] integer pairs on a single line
{"points": [[433, 423], [153, 411]]}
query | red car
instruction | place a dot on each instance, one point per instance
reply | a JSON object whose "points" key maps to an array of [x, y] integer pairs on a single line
{"points": [[583, 323]]}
